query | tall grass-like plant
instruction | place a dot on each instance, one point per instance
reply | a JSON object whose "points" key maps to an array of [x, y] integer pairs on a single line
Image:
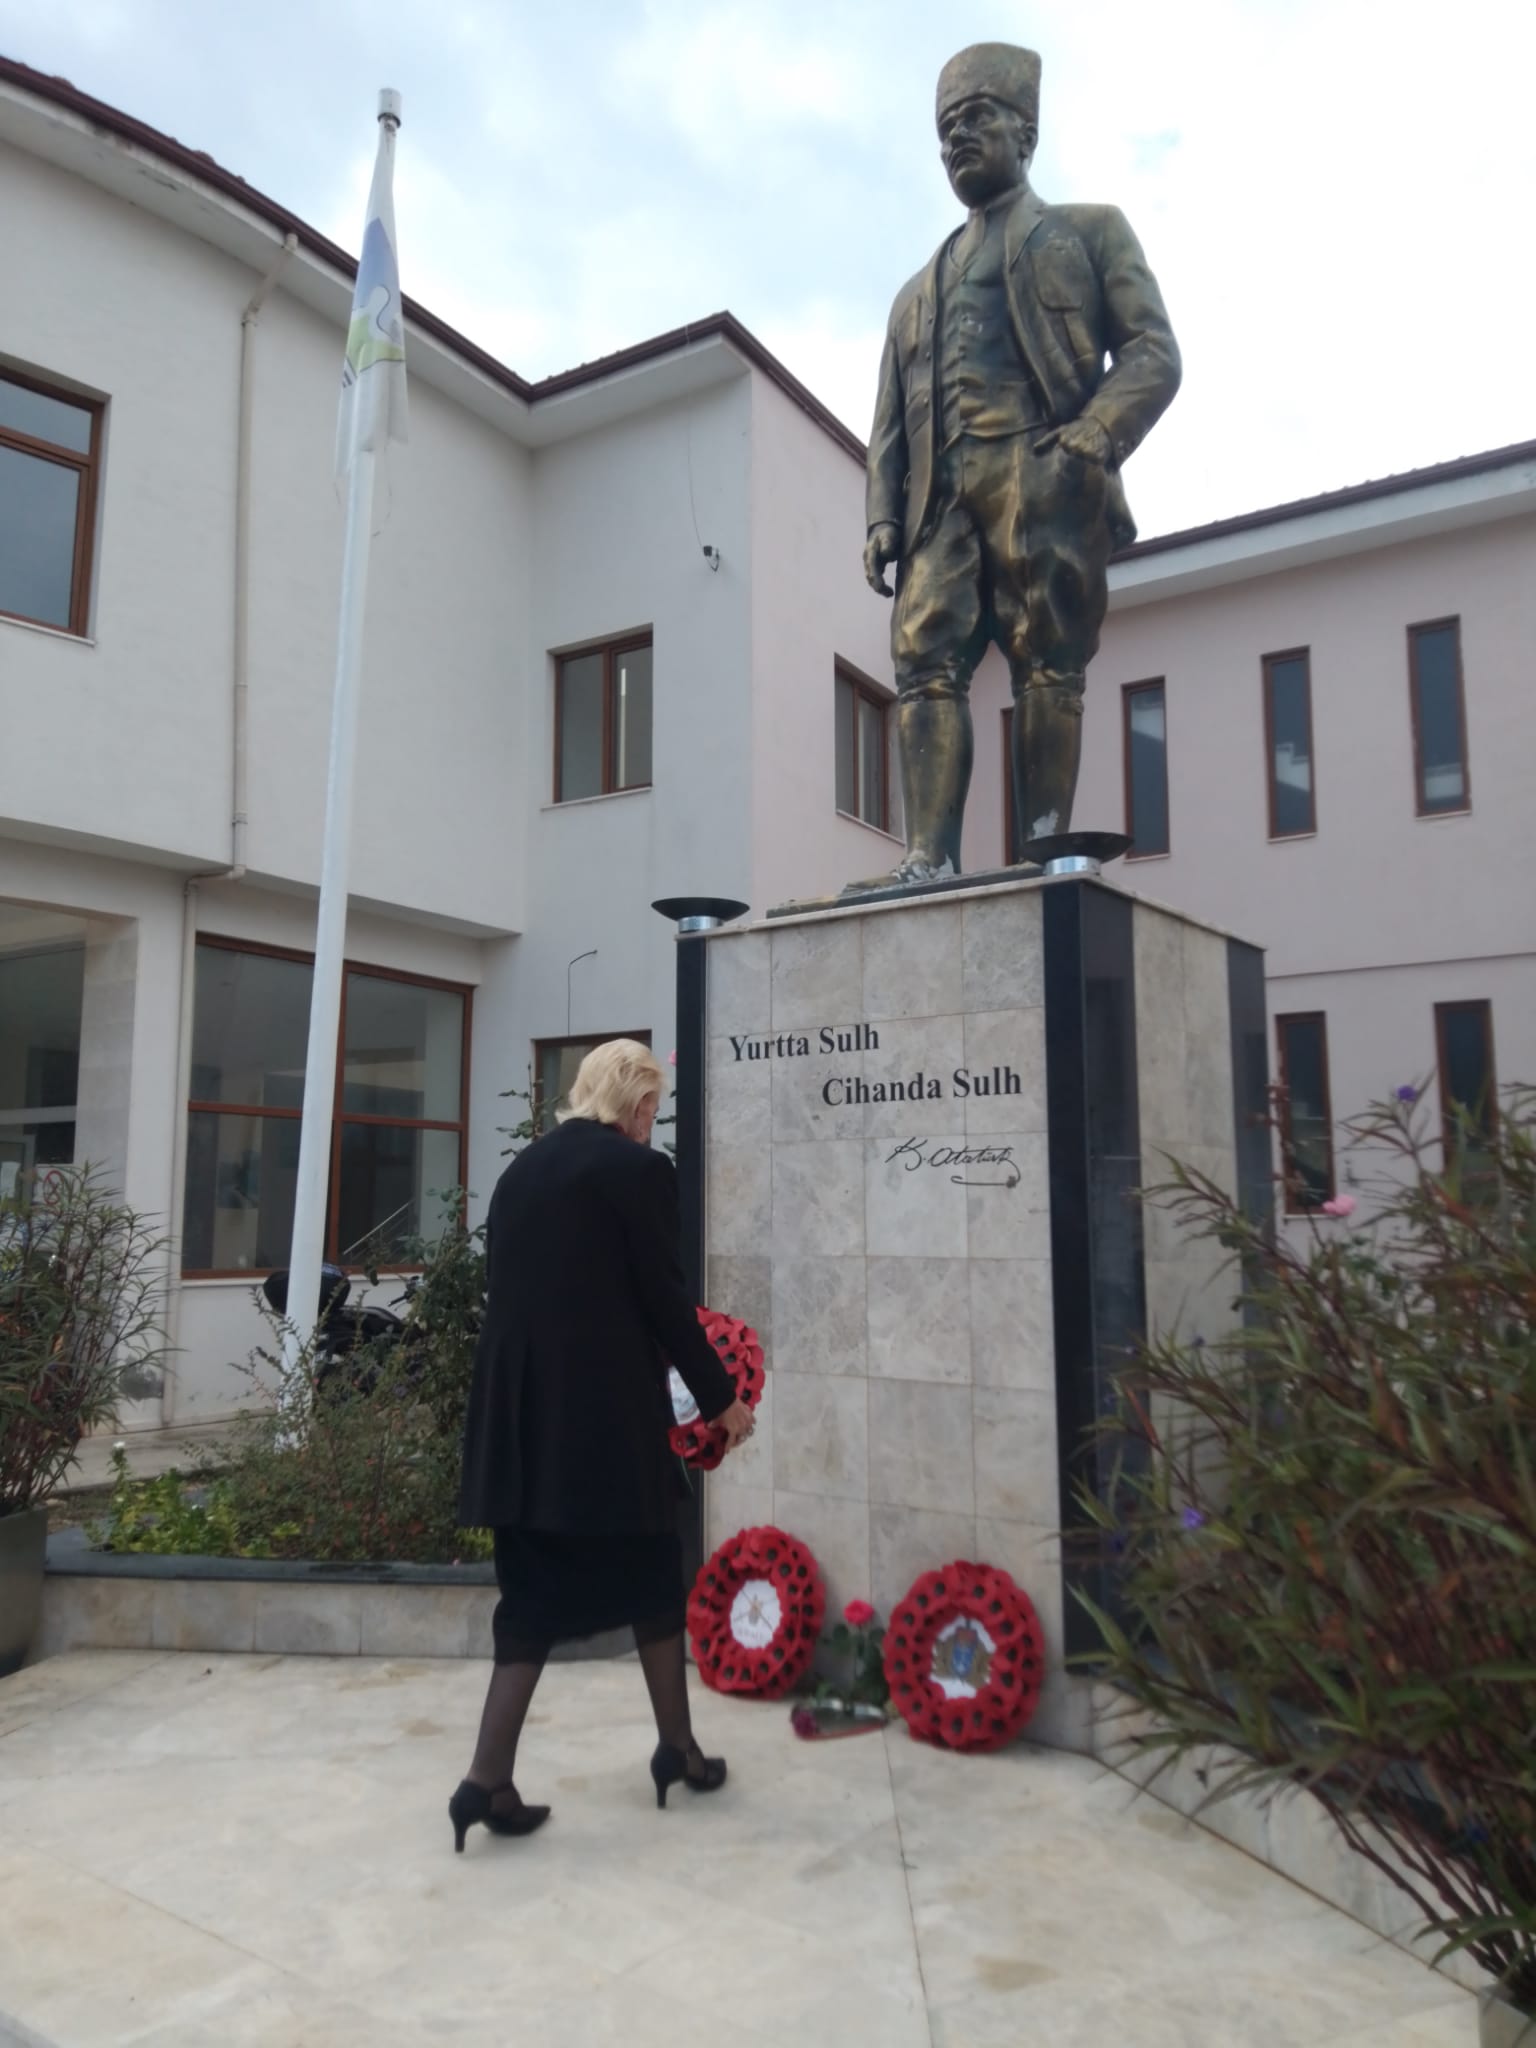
{"points": [[82, 1299], [1328, 1535]]}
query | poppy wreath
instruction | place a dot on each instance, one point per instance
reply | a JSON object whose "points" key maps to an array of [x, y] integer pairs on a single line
{"points": [[699, 1443], [965, 1658], [755, 1614]]}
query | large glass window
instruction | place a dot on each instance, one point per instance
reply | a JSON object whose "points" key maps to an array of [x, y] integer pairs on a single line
{"points": [[868, 775], [603, 715], [1441, 779], [1468, 1087], [1306, 1116], [555, 1063], [49, 451], [398, 1136], [1288, 741], [41, 993], [1146, 768]]}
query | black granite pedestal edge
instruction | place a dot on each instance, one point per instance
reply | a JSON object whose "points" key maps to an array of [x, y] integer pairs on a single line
{"points": [[692, 1026], [1098, 1278], [1250, 1081]]}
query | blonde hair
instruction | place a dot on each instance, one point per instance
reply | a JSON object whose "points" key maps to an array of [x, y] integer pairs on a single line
{"points": [[613, 1080]]}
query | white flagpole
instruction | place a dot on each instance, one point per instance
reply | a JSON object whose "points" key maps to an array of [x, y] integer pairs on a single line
{"points": [[309, 1210]]}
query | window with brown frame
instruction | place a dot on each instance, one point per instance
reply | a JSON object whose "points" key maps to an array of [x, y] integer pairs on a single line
{"points": [[1469, 1102], [1288, 744], [555, 1062], [603, 703], [868, 779], [1145, 720], [50, 449], [398, 1137], [1306, 1114], [1441, 776]]}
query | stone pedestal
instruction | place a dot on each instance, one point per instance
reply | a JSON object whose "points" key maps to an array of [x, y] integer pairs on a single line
{"points": [[925, 1125]]}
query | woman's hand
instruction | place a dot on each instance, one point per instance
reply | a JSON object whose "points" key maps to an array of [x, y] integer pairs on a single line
{"points": [[737, 1423]]}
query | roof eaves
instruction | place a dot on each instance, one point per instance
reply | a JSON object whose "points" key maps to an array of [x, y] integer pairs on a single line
{"points": [[1461, 467]]}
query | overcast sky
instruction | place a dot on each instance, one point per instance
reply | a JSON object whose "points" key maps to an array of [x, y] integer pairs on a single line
{"points": [[1336, 195]]}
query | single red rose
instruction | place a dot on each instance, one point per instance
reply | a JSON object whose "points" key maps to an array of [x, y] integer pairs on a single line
{"points": [[858, 1614]]}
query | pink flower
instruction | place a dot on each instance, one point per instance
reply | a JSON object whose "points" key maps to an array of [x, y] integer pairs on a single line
{"points": [[1340, 1205], [858, 1614], [671, 1059], [804, 1723]]}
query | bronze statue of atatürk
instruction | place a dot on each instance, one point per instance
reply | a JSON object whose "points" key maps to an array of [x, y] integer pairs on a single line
{"points": [[994, 462]]}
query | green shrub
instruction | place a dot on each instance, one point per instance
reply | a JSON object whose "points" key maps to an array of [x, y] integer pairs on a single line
{"points": [[336, 1475], [156, 1517], [345, 1476], [82, 1279], [1328, 1542]]}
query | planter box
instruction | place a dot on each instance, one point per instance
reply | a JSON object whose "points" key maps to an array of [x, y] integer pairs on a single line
{"points": [[95, 1600], [23, 1544], [1502, 2025]]}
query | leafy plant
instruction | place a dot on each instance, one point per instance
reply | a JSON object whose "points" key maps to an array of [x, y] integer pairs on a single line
{"points": [[82, 1291], [363, 1467], [1326, 1527], [332, 1472], [533, 1123], [157, 1517], [857, 1646]]}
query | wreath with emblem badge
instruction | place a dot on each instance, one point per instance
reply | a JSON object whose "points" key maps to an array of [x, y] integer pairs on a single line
{"points": [[755, 1614], [698, 1443], [965, 1658]]}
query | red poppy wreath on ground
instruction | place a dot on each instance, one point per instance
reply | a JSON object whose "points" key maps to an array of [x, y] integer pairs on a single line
{"points": [[965, 1657], [755, 1614], [697, 1442]]}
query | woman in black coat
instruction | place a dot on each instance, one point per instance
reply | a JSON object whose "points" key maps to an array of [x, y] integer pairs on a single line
{"points": [[566, 1457]]}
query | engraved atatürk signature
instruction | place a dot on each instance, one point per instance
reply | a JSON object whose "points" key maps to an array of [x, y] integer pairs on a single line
{"points": [[915, 1153]]}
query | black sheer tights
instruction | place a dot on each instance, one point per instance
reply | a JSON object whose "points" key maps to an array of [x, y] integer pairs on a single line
{"points": [[515, 1676], [660, 1644]]}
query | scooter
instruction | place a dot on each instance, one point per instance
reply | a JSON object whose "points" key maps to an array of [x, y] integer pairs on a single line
{"points": [[341, 1331]]}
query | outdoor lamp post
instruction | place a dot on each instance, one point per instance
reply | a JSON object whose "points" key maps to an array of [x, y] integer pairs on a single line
{"points": [[693, 915]]}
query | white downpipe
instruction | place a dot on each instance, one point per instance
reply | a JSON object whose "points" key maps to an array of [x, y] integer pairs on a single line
{"points": [[242, 664], [239, 811]]}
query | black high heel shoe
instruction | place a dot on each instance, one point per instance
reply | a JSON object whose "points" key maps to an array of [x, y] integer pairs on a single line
{"points": [[671, 1766], [472, 1804]]}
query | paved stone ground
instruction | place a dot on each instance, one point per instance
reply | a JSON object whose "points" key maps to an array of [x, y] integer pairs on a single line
{"points": [[254, 1852]]}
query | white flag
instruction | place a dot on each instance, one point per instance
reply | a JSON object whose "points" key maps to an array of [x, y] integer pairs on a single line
{"points": [[373, 375]]}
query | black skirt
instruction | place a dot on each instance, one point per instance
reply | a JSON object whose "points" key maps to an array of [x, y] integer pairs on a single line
{"points": [[560, 1586]]}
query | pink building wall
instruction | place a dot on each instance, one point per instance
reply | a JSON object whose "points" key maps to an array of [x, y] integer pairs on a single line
{"points": [[1381, 914]]}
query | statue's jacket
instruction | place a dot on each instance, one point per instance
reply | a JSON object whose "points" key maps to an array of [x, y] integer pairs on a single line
{"points": [[1078, 290]]}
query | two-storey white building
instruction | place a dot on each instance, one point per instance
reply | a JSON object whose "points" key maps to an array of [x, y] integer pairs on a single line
{"points": [[605, 624]]}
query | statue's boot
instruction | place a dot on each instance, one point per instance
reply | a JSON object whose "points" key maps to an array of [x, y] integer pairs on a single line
{"points": [[1047, 750], [936, 747]]}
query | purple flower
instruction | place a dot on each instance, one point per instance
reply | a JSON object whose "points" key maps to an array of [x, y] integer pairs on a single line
{"points": [[1407, 1094], [1192, 1518], [803, 1721]]}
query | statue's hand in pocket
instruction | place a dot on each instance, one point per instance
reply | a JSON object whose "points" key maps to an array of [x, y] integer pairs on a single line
{"points": [[1085, 439]]}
